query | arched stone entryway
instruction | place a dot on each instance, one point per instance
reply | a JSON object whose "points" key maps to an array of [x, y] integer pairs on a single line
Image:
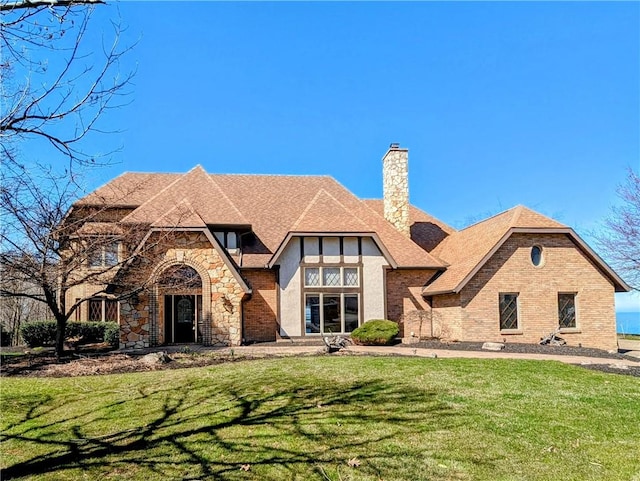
{"points": [[191, 264], [180, 303], [179, 291]]}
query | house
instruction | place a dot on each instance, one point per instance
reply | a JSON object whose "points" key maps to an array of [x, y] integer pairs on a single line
{"points": [[232, 259]]}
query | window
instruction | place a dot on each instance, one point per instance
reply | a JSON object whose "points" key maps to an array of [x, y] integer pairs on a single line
{"points": [[101, 310], [508, 311], [566, 310], [331, 276], [228, 239], [104, 255], [536, 256], [331, 313], [331, 299]]}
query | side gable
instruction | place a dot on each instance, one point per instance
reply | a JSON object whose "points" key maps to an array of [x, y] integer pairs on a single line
{"points": [[467, 251]]}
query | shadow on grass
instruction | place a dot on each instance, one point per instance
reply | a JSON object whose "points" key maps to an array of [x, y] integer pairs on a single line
{"points": [[208, 428]]}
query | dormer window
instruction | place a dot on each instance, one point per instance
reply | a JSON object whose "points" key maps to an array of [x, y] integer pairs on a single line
{"points": [[228, 239]]}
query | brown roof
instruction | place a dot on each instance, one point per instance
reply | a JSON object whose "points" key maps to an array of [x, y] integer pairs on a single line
{"points": [[426, 230], [272, 205], [202, 195], [466, 250]]}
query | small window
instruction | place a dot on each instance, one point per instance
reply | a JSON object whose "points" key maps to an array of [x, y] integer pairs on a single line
{"points": [[350, 277], [567, 311], [536, 256], [508, 311], [104, 255], [101, 310], [331, 276], [312, 276]]}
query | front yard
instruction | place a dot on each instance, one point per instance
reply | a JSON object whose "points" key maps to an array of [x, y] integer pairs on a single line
{"points": [[323, 417]]}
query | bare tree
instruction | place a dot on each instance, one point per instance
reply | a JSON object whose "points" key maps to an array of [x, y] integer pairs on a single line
{"points": [[52, 245], [56, 85], [15, 311], [621, 240]]}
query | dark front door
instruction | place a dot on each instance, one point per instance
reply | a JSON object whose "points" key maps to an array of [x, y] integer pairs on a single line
{"points": [[180, 318]]}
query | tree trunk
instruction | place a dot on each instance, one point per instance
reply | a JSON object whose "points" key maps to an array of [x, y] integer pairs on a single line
{"points": [[61, 325]]}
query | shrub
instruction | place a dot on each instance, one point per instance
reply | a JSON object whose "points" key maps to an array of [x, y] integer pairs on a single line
{"points": [[39, 333], [88, 332], [5, 337], [376, 332], [43, 333], [112, 333]]}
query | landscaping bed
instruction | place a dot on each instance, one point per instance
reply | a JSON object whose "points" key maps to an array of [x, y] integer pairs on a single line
{"points": [[98, 359]]}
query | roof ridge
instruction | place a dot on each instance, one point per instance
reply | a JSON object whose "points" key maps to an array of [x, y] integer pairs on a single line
{"points": [[167, 213], [153, 197], [323, 192], [226, 197], [487, 219], [517, 213]]}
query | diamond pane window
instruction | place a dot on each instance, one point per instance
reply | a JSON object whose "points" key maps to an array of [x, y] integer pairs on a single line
{"points": [[312, 276], [567, 310], [508, 311], [95, 310], [331, 276], [350, 276], [110, 310]]}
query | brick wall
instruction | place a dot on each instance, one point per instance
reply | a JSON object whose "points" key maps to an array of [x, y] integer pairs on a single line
{"points": [[260, 312], [564, 269], [405, 303]]}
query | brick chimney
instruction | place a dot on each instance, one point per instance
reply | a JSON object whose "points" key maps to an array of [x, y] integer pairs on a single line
{"points": [[395, 180]]}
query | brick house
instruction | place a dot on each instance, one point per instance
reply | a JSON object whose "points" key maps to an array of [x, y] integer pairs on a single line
{"points": [[263, 257]]}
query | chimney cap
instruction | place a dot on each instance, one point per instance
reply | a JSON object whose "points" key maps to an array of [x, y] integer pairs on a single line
{"points": [[394, 145]]}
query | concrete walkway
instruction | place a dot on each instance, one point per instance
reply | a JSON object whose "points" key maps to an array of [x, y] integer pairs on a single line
{"points": [[258, 350]]}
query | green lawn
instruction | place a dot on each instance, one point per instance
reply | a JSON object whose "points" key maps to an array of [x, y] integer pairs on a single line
{"points": [[630, 337], [307, 418]]}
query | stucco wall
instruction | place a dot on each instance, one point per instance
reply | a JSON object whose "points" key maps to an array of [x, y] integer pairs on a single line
{"points": [[373, 287], [373, 281], [564, 269]]}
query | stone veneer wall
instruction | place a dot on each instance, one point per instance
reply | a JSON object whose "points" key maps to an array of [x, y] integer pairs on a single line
{"points": [[141, 325], [395, 178]]}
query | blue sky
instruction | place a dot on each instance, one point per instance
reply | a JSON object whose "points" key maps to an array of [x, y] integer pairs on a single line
{"points": [[499, 103]]}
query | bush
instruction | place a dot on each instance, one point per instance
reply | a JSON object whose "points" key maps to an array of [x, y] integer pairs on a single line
{"points": [[43, 333], [112, 333], [5, 337], [39, 333], [377, 332], [88, 332]]}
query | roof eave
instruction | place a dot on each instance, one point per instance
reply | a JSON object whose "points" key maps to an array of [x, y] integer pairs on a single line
{"points": [[619, 284], [291, 234]]}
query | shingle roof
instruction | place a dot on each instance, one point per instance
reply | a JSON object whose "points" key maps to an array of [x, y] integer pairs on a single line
{"points": [[201, 193], [272, 205], [467, 249], [426, 230]]}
